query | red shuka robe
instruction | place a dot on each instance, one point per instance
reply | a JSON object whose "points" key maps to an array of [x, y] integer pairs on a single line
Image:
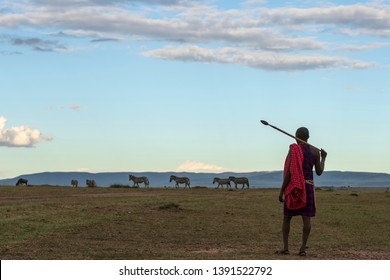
{"points": [[295, 192]]}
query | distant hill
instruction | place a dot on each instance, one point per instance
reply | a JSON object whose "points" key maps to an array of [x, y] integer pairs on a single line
{"points": [[260, 179]]}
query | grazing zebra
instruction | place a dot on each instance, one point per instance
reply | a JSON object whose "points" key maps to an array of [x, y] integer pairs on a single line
{"points": [[222, 182], [74, 183], [138, 180], [91, 183], [238, 181], [180, 180], [22, 182]]}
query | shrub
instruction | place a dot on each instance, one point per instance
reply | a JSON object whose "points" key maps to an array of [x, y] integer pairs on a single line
{"points": [[170, 206], [119, 186]]}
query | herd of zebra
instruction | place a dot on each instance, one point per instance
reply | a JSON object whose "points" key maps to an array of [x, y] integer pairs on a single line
{"points": [[178, 180]]}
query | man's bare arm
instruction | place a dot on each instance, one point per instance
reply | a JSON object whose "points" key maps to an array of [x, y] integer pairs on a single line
{"points": [[320, 162]]}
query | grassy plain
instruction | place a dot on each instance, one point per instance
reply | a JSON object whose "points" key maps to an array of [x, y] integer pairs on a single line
{"points": [[44, 222]]}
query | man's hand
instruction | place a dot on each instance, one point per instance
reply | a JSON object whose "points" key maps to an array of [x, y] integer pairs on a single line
{"points": [[281, 197], [323, 154]]}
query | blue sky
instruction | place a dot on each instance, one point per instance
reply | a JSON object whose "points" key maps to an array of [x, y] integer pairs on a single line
{"points": [[176, 85]]}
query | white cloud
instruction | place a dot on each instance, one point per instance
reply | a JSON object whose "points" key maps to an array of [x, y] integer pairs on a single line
{"points": [[257, 34], [359, 48], [73, 107], [256, 59], [260, 28], [38, 44], [110, 2], [362, 16], [195, 166], [82, 169], [20, 136]]}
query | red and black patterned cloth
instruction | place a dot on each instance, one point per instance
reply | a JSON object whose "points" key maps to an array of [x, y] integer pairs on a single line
{"points": [[309, 208]]}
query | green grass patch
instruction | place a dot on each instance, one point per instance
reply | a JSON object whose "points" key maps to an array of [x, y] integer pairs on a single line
{"points": [[127, 223]]}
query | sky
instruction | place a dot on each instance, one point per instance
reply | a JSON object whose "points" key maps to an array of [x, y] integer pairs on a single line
{"points": [[177, 85]]}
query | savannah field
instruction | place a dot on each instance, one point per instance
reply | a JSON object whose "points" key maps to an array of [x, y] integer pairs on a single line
{"points": [[47, 222]]}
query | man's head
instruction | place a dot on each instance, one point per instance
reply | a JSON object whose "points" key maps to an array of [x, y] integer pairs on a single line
{"points": [[302, 133]]}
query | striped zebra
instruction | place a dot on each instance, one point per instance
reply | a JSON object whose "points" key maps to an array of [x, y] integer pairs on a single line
{"points": [[238, 181], [91, 183], [22, 182], [138, 180], [180, 180], [74, 183], [222, 182]]}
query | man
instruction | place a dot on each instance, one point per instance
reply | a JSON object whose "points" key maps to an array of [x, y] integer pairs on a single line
{"points": [[311, 157]]}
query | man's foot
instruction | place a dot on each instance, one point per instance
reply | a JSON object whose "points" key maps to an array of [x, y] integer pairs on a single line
{"points": [[282, 252], [302, 253]]}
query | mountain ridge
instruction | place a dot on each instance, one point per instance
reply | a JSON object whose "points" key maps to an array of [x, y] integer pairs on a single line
{"points": [[259, 179]]}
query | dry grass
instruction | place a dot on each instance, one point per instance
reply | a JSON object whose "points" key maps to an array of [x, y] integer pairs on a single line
{"points": [[123, 223]]}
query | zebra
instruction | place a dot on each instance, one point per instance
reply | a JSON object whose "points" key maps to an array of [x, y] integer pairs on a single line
{"points": [[138, 180], [238, 181], [74, 183], [22, 182], [180, 180], [91, 183], [222, 182]]}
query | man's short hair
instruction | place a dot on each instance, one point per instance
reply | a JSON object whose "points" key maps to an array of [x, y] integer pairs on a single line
{"points": [[302, 133]]}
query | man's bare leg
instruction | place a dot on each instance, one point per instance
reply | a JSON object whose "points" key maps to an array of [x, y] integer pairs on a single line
{"points": [[286, 231], [305, 234]]}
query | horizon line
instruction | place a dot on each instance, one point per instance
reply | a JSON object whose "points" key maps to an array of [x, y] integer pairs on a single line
{"points": [[195, 172]]}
